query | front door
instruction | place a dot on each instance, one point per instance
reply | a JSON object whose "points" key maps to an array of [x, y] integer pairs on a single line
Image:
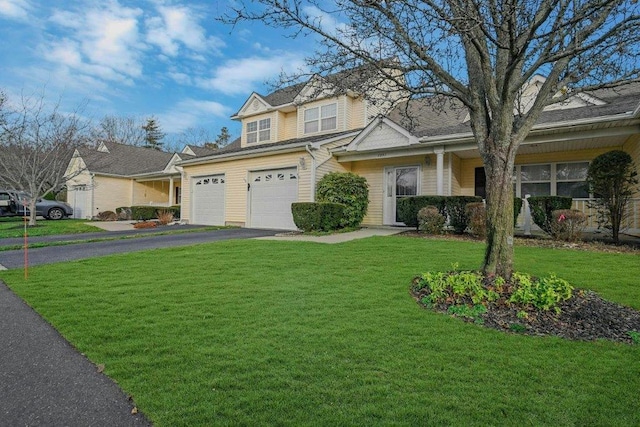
{"points": [[401, 181]]}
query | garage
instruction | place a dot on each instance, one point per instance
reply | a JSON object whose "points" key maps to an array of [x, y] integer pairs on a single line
{"points": [[208, 200], [271, 195]]}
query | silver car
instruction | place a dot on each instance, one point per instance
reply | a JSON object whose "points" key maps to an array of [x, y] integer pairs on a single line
{"points": [[15, 203]]}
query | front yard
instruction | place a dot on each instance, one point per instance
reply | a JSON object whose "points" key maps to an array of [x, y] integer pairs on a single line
{"points": [[14, 227], [294, 333]]}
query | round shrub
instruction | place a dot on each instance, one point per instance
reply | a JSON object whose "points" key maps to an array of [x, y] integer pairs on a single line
{"points": [[347, 189], [542, 208], [408, 208], [568, 224], [455, 207], [430, 220], [107, 216]]}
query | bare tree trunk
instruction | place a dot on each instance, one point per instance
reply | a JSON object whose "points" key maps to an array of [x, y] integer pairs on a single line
{"points": [[498, 258], [32, 212]]}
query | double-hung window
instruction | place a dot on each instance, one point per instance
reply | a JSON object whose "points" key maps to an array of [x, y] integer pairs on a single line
{"points": [[320, 119], [259, 131], [553, 179]]}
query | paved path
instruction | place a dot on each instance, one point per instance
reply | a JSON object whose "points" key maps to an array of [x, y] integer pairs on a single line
{"points": [[44, 381]]}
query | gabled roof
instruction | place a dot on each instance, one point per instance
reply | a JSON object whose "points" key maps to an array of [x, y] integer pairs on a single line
{"points": [[122, 159], [236, 150], [437, 116], [197, 151]]}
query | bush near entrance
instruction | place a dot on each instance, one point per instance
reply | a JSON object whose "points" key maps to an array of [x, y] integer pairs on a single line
{"points": [[348, 189]]}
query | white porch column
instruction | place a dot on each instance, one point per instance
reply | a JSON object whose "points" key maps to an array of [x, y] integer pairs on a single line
{"points": [[439, 170], [171, 201]]}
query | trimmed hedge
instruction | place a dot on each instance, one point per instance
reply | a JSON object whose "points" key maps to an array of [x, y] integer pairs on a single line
{"points": [[455, 207], [145, 213], [310, 216], [408, 208], [542, 208]]}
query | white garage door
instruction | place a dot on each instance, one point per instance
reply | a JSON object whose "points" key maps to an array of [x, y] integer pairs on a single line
{"points": [[272, 193], [208, 200]]}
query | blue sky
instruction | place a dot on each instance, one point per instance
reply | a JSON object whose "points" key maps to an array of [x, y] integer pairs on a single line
{"points": [[170, 59]]}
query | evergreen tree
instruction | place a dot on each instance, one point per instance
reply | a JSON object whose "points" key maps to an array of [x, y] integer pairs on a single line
{"points": [[153, 134]]}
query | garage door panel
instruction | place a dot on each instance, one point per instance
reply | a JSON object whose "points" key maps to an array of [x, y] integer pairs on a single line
{"points": [[272, 193], [208, 200]]}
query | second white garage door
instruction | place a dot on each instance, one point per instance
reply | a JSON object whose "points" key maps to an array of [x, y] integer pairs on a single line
{"points": [[271, 195], [208, 200]]}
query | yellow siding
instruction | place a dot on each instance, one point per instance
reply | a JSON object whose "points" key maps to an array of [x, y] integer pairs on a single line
{"points": [[236, 176], [456, 165], [356, 119], [151, 193], [289, 126], [110, 193]]}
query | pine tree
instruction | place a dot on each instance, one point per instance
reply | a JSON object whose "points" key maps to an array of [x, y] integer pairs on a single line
{"points": [[153, 134]]}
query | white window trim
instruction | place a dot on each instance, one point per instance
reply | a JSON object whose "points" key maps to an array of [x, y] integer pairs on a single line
{"points": [[258, 131], [319, 119], [553, 181]]}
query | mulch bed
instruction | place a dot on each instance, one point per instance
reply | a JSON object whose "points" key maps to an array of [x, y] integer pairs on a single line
{"points": [[585, 316]]}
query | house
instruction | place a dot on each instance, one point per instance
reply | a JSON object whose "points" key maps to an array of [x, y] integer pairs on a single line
{"points": [[294, 136], [115, 175]]}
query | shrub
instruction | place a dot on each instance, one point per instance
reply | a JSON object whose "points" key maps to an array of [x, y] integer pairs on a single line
{"points": [[542, 208], [165, 216], [455, 209], [145, 224], [408, 208], [568, 224], [124, 213], [107, 216], [349, 190], [517, 208], [317, 216], [430, 220], [613, 180], [543, 293], [143, 213], [476, 212]]}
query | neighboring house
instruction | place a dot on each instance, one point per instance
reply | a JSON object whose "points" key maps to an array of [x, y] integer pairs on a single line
{"points": [[294, 136], [118, 175]]}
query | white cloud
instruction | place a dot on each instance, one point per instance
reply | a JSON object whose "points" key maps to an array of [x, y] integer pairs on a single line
{"points": [[192, 113], [240, 76], [327, 22], [15, 9], [104, 42], [177, 26]]}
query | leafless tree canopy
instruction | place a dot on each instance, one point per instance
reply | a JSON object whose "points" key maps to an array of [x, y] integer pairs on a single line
{"points": [[120, 129], [477, 52], [37, 141]]}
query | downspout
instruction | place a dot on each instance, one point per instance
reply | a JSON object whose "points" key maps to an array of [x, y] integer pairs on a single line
{"points": [[308, 147]]}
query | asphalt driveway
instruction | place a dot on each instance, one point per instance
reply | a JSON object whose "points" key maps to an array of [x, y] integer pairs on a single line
{"points": [[52, 254]]}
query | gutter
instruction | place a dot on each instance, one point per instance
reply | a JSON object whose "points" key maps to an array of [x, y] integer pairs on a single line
{"points": [[309, 147]]}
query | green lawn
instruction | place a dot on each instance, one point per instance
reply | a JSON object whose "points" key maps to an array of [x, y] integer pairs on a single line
{"points": [[14, 227], [297, 333]]}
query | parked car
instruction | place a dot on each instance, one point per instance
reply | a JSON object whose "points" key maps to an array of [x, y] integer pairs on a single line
{"points": [[15, 203]]}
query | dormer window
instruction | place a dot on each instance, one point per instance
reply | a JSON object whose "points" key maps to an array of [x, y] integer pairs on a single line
{"points": [[320, 119], [259, 131]]}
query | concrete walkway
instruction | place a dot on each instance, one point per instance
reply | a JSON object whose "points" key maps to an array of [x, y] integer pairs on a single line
{"points": [[337, 237]]}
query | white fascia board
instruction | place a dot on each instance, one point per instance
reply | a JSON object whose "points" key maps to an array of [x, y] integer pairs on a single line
{"points": [[345, 156]]}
